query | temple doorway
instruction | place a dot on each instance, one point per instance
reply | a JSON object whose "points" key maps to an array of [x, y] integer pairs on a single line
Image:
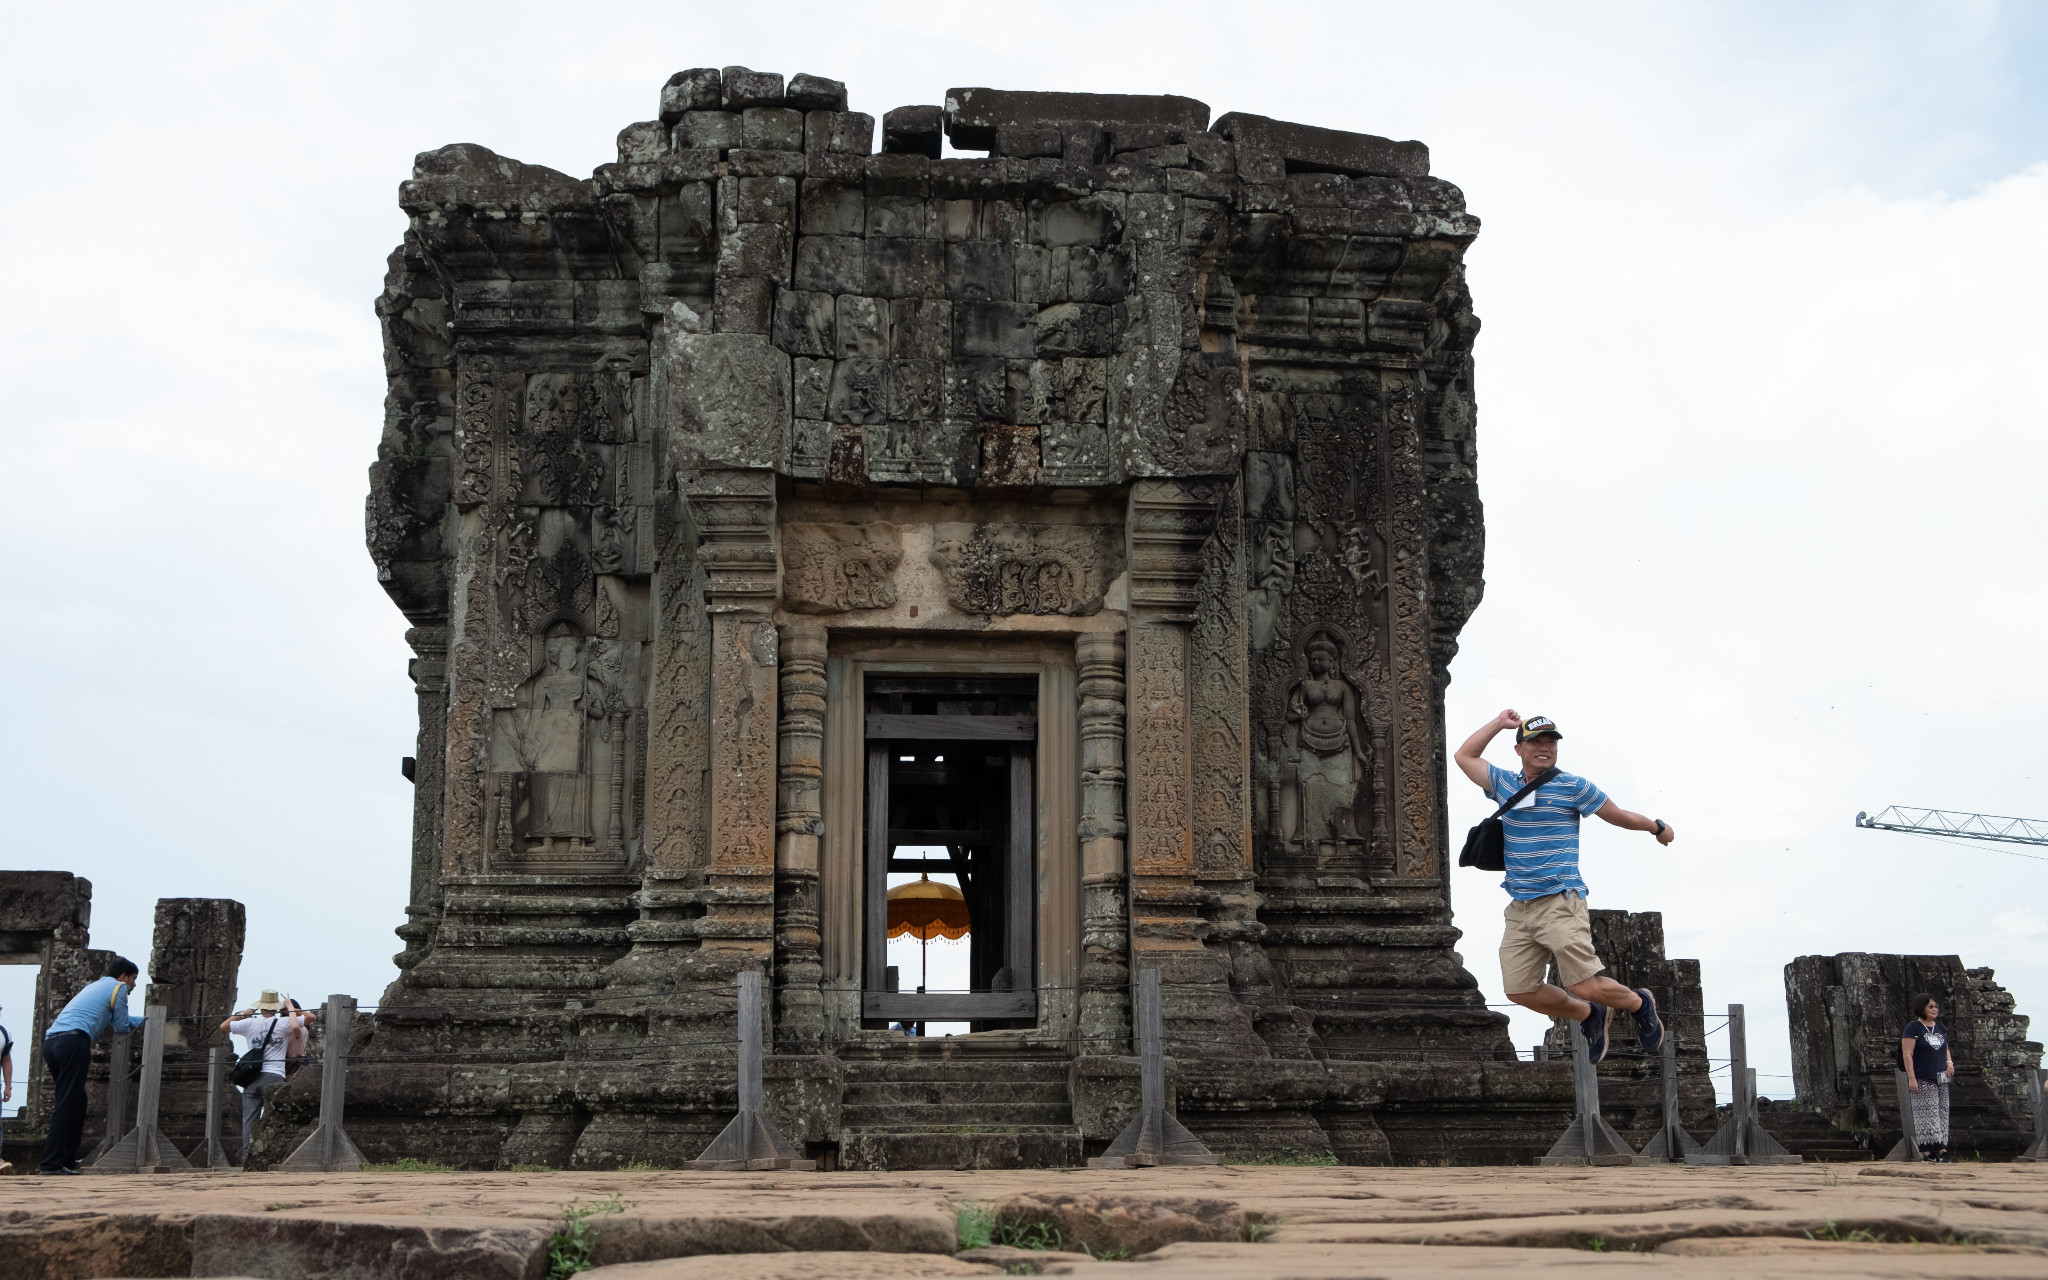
{"points": [[950, 794]]}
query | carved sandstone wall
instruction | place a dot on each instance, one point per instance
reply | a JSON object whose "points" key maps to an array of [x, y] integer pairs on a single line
{"points": [[1176, 413]]}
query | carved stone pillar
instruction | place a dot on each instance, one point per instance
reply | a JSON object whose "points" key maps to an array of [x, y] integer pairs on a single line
{"points": [[429, 673], [799, 825], [735, 518], [1413, 766], [676, 830], [1168, 522], [1105, 923]]}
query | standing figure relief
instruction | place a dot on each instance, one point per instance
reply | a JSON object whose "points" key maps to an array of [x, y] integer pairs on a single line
{"points": [[1323, 757]]}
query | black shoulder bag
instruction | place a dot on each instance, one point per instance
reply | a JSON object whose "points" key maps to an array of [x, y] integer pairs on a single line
{"points": [[250, 1065], [1486, 845]]}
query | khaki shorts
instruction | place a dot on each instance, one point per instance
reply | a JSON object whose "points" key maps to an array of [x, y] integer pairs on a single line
{"points": [[1539, 929]]}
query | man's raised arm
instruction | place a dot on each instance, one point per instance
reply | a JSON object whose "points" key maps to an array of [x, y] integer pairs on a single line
{"points": [[1631, 821], [1471, 756]]}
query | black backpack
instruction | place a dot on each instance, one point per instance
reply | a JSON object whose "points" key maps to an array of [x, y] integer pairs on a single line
{"points": [[250, 1065], [1486, 845]]}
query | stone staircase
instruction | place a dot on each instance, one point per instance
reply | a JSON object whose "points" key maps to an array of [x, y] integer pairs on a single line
{"points": [[931, 1104]]}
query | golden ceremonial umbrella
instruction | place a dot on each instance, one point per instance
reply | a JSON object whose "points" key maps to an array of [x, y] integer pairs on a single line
{"points": [[925, 909]]}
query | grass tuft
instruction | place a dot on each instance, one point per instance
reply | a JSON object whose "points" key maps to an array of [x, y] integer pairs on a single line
{"points": [[1292, 1158], [974, 1224], [570, 1247], [406, 1164]]}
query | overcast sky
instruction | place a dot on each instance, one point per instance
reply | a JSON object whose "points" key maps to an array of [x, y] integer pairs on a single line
{"points": [[1760, 387]]}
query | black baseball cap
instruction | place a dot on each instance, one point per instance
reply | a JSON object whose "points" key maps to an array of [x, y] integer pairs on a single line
{"points": [[1536, 727]]}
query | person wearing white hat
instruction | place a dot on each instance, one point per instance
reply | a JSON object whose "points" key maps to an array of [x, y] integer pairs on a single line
{"points": [[268, 1026]]}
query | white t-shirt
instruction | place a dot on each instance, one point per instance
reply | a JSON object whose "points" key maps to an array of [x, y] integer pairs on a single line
{"points": [[254, 1029]]}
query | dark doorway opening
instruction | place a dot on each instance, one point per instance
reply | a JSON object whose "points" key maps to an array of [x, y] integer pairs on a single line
{"points": [[950, 766]]}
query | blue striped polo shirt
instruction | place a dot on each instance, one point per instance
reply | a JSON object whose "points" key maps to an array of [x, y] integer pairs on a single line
{"points": [[1543, 832]]}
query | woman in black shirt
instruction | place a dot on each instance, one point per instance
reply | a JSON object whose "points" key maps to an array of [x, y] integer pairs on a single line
{"points": [[1923, 1047]]}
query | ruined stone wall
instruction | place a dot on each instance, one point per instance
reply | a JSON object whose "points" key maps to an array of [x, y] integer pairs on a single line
{"points": [[1193, 399], [1846, 1012]]}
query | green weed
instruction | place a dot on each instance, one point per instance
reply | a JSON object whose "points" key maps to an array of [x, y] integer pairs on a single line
{"points": [[533, 1168], [1598, 1244], [1017, 1233], [569, 1248], [1293, 1158], [640, 1166], [1831, 1230], [1256, 1232], [974, 1224], [406, 1164]]}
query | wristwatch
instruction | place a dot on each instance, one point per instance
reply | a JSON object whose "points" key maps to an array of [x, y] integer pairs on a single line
{"points": [[1660, 825]]}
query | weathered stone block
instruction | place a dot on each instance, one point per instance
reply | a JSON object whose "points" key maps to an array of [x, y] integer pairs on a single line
{"points": [[973, 116], [832, 209], [743, 160], [921, 328], [715, 130], [742, 304], [898, 173], [1075, 222], [768, 199], [832, 264], [863, 329], [1074, 329], [1003, 329], [841, 133], [756, 249], [906, 268], [813, 382], [744, 88], [1267, 149], [981, 271], [1026, 140], [728, 399], [807, 92], [693, 90], [912, 131], [643, 142], [805, 326], [859, 392], [772, 129]]}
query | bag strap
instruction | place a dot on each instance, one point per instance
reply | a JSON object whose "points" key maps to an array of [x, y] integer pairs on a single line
{"points": [[270, 1033], [1516, 798]]}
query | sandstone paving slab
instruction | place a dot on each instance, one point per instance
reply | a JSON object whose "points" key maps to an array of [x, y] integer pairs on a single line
{"points": [[837, 1265], [486, 1224], [1313, 1261]]}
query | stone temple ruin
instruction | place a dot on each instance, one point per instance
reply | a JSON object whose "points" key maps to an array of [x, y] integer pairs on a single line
{"points": [[1100, 508]]}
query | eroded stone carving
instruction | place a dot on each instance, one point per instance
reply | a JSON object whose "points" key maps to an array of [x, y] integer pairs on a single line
{"points": [[1014, 568], [836, 568], [1323, 751]]}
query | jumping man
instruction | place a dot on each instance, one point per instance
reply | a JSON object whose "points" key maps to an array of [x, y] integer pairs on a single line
{"points": [[1547, 918]]}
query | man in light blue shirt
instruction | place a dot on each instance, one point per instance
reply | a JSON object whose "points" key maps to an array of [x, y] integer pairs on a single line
{"points": [[1547, 918], [67, 1052]]}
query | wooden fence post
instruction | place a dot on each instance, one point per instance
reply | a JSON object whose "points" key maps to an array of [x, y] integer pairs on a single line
{"points": [[328, 1148], [1154, 1136]]}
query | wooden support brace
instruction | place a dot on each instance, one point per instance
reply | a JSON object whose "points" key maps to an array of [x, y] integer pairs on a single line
{"points": [[1742, 1139], [751, 1140], [215, 1156], [1672, 1142], [1588, 1139], [1907, 1148], [2037, 1094], [144, 1149], [117, 1096], [1153, 1137], [328, 1148]]}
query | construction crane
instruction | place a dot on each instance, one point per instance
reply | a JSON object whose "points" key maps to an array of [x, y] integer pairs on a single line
{"points": [[1985, 827]]}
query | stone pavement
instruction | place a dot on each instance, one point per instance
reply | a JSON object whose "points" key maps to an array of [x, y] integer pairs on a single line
{"points": [[1310, 1223]]}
